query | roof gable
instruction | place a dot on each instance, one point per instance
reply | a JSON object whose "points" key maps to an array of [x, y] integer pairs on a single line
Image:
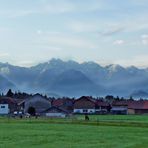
{"points": [[7, 100], [55, 110], [142, 104], [87, 98]]}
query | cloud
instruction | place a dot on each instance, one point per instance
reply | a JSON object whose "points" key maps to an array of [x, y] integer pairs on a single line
{"points": [[39, 32], [26, 63], [67, 6], [5, 30], [144, 39], [96, 27], [3, 55], [62, 6], [119, 42], [79, 26], [112, 30], [15, 13], [64, 40], [140, 61], [51, 48], [51, 7], [139, 2]]}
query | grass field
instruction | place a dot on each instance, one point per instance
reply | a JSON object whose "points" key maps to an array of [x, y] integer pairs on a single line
{"points": [[99, 132], [124, 118]]}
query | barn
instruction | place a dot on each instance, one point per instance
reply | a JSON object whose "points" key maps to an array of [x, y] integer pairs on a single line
{"points": [[138, 107], [119, 107], [36, 104], [55, 112]]}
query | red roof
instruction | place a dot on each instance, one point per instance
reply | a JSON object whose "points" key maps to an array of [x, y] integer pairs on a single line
{"points": [[145, 104], [61, 102], [101, 103], [132, 104], [96, 102], [7, 100], [58, 102], [86, 98], [120, 103], [142, 104]]}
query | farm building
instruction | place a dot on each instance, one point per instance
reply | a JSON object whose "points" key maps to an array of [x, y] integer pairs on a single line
{"points": [[102, 107], [64, 103], [89, 105], [7, 105], [130, 107], [55, 112], [35, 104], [84, 105], [119, 107], [138, 107]]}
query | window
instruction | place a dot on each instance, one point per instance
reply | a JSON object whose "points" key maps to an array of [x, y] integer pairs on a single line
{"points": [[85, 111], [78, 111], [2, 106]]}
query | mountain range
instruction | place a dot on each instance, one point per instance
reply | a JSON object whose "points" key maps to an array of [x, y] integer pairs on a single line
{"points": [[70, 78]]}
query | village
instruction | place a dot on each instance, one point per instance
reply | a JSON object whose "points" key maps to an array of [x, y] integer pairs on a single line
{"points": [[38, 105]]}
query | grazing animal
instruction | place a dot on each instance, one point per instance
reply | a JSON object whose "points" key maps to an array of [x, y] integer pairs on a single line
{"points": [[86, 118]]}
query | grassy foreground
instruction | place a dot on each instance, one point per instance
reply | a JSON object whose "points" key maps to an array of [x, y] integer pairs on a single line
{"points": [[56, 133]]}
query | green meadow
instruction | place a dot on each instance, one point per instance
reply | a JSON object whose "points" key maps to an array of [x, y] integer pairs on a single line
{"points": [[104, 131]]}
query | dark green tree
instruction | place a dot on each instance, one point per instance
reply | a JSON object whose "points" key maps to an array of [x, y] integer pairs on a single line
{"points": [[9, 93]]}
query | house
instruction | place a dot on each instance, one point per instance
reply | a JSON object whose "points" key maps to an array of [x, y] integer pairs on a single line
{"points": [[4, 109], [55, 112], [119, 107], [35, 104], [64, 103], [84, 105], [102, 107], [138, 107], [7, 105], [89, 105]]}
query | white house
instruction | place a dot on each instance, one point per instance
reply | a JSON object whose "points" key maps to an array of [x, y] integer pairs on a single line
{"points": [[84, 105], [7, 105], [88, 105], [4, 109]]}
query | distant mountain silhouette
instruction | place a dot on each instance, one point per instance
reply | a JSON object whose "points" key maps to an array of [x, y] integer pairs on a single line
{"points": [[72, 78], [140, 94], [73, 82], [5, 84]]}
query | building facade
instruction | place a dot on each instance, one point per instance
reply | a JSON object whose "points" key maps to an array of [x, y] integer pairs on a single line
{"points": [[4, 109], [36, 104]]}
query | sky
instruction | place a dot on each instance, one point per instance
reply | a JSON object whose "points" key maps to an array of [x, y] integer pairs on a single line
{"points": [[104, 31]]}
